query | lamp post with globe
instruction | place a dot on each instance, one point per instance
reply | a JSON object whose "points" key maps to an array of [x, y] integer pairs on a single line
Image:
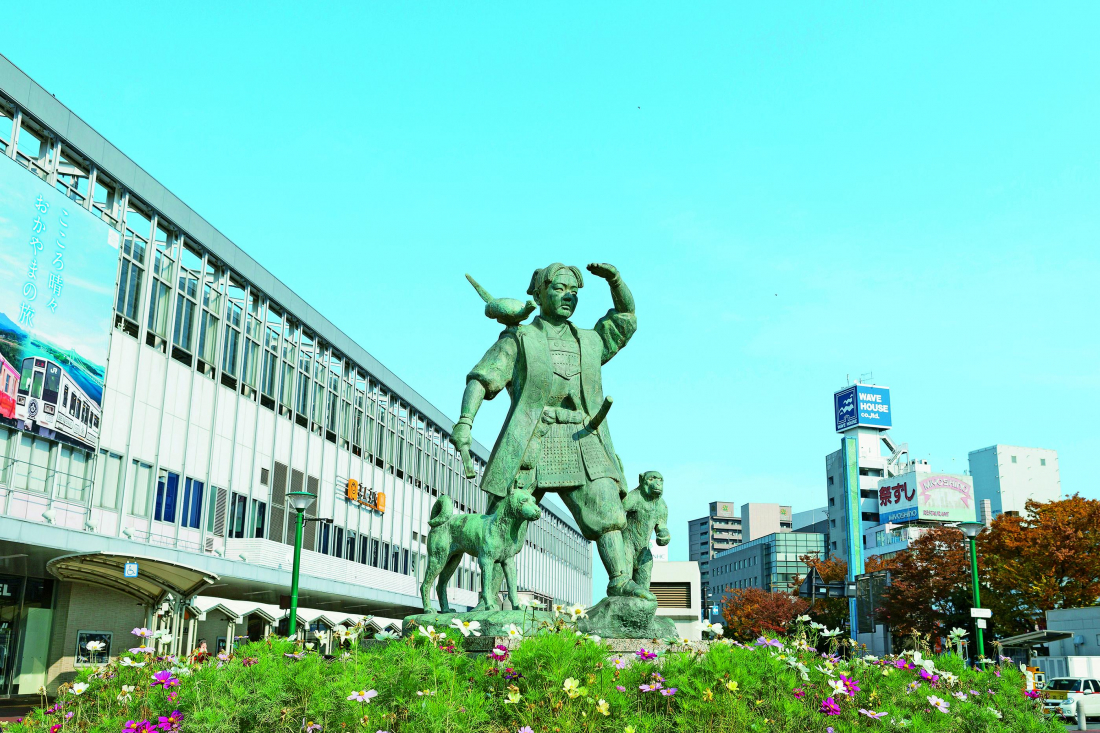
{"points": [[972, 530], [300, 501]]}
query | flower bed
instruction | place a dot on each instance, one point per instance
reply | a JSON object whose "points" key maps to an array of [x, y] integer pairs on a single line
{"points": [[554, 680]]}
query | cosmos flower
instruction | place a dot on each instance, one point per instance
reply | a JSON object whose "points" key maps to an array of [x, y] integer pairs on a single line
{"points": [[362, 695], [467, 627], [938, 703], [830, 707]]}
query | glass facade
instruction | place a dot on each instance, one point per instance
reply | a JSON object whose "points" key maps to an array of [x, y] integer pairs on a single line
{"points": [[770, 563], [222, 392]]}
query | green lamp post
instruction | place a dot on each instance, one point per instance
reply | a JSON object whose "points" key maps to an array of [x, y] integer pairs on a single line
{"points": [[972, 530], [300, 501]]}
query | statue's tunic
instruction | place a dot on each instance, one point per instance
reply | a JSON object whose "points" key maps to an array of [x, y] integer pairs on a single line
{"points": [[553, 378]]}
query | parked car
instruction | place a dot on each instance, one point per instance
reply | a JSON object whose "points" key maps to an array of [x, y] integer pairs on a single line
{"points": [[1062, 693]]}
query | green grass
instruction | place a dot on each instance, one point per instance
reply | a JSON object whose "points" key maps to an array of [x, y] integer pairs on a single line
{"points": [[468, 692]]}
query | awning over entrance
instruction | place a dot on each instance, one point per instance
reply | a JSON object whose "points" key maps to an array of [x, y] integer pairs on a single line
{"points": [[155, 578], [1034, 638]]}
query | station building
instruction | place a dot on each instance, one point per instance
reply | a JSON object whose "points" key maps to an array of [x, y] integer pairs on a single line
{"points": [[223, 391]]}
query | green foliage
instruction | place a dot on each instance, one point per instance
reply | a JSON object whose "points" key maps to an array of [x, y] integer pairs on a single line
{"points": [[728, 687]]}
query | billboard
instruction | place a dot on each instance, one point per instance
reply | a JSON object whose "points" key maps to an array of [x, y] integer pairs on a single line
{"points": [[862, 406], [936, 497], [57, 285]]}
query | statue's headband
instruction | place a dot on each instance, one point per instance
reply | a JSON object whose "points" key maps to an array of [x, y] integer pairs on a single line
{"points": [[543, 277]]}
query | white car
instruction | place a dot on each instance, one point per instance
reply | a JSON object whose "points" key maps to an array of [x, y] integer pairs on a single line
{"points": [[1062, 693]]}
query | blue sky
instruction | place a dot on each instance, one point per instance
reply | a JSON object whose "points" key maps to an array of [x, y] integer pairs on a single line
{"points": [[795, 194]]}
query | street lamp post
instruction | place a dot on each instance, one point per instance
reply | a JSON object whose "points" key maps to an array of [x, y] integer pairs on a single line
{"points": [[972, 530], [300, 500]]}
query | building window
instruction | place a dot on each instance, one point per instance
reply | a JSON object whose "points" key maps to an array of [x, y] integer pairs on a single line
{"points": [[160, 297], [1013, 459], [164, 508], [187, 298], [830, 481], [259, 517], [107, 476], [93, 648], [238, 510], [192, 504], [1042, 461]]}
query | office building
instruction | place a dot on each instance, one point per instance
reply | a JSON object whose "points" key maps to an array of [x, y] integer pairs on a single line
{"points": [[1007, 476], [721, 530], [770, 563], [129, 490], [811, 520]]}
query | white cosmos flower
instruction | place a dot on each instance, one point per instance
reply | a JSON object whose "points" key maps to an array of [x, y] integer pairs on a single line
{"points": [[839, 687], [129, 662], [578, 612], [79, 688], [467, 627], [513, 631], [95, 646]]}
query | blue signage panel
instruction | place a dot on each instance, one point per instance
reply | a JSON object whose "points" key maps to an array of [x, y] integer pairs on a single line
{"points": [[862, 405], [130, 570]]}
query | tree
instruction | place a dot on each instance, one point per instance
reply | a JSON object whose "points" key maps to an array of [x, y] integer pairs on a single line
{"points": [[930, 585], [749, 612], [833, 612], [1049, 558]]}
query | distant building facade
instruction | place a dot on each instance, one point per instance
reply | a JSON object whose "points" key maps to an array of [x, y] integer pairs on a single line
{"points": [[770, 563], [722, 530], [1007, 476]]}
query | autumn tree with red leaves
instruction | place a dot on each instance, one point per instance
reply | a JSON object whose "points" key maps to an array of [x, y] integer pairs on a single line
{"points": [[749, 612]]}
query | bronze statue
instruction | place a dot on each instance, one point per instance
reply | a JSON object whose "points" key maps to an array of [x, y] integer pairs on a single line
{"points": [[552, 440], [646, 512]]}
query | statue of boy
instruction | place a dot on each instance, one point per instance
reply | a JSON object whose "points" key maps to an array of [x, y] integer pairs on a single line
{"points": [[646, 512], [551, 370]]}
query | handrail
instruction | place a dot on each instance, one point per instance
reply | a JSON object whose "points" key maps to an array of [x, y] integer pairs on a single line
{"points": [[7, 465]]}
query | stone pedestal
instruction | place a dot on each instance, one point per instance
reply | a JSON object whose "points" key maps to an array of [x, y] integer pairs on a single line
{"points": [[626, 618], [493, 623]]}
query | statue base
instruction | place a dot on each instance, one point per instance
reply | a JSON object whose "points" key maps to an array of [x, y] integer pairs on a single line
{"points": [[615, 617], [493, 623], [621, 617]]}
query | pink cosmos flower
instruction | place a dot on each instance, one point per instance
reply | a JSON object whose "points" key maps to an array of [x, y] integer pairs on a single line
{"points": [[620, 688], [829, 706], [799, 693], [873, 714], [938, 703], [644, 655], [851, 685], [525, 729], [620, 663], [669, 691]]}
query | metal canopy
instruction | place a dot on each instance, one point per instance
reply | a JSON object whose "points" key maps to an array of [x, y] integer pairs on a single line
{"points": [[1034, 638], [156, 578]]}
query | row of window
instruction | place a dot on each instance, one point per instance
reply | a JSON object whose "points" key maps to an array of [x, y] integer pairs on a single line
{"points": [[207, 317], [216, 321]]}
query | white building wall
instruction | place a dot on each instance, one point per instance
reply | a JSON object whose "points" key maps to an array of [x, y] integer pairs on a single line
{"points": [[1009, 475]]}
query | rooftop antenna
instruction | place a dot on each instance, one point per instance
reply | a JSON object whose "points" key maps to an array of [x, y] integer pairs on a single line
{"points": [[867, 378]]}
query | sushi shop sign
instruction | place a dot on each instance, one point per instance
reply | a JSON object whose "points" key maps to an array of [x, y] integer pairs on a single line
{"points": [[375, 500]]}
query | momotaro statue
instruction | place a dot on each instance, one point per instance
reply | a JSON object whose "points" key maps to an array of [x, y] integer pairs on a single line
{"points": [[646, 512], [555, 437]]}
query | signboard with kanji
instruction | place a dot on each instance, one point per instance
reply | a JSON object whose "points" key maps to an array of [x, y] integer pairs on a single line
{"points": [[58, 266], [939, 497]]}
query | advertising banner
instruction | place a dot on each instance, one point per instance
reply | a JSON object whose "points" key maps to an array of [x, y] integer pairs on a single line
{"points": [[938, 497], [57, 284], [862, 405]]}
